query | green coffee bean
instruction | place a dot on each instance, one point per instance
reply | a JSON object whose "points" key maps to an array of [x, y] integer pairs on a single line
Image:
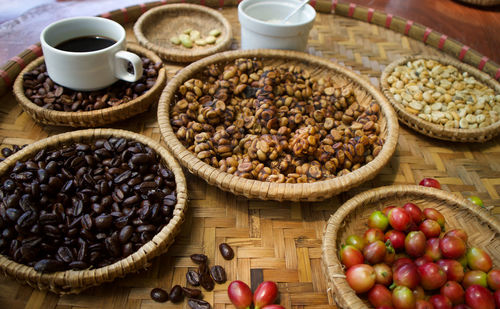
{"points": [[214, 32], [175, 40]]}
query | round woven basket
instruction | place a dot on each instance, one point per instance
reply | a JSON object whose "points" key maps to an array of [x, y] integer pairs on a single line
{"points": [[73, 281], [93, 118], [434, 130], [483, 230], [320, 190], [155, 28]]}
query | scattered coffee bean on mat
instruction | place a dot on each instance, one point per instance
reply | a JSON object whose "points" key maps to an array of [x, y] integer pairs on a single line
{"points": [[159, 295], [218, 274], [176, 294], [199, 258], [193, 278], [41, 90], [84, 205], [191, 293], [226, 251], [198, 304]]}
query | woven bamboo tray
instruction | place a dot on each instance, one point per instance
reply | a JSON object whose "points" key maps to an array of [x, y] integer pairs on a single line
{"points": [[72, 281], [364, 92], [93, 118], [278, 241], [351, 218], [155, 28], [437, 131]]}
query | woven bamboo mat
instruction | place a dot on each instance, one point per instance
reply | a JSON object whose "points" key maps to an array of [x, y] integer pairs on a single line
{"points": [[273, 241]]}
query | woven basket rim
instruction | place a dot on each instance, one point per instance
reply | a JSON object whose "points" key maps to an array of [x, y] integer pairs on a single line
{"points": [[337, 221], [259, 189], [433, 130], [174, 54], [99, 116], [64, 282]]}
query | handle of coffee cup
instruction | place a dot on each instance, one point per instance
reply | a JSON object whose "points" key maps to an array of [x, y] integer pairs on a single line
{"points": [[122, 59]]}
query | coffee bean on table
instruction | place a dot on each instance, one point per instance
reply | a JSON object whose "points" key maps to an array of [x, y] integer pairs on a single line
{"points": [[226, 251], [159, 295], [191, 293], [63, 208], [218, 274], [193, 278], [206, 281], [198, 304], [176, 294], [199, 258]]}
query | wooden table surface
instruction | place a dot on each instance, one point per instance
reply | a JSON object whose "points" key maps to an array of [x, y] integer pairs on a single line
{"points": [[273, 241]]}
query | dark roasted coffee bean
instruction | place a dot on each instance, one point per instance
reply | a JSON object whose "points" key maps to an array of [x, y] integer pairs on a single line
{"points": [[159, 295], [140, 158], [65, 254], [125, 233], [87, 222], [226, 251], [127, 249], [103, 221], [49, 265], [13, 214], [198, 258], [176, 295], [191, 293], [78, 265], [113, 246], [218, 274], [206, 281], [193, 278], [27, 219], [6, 152], [198, 304]]}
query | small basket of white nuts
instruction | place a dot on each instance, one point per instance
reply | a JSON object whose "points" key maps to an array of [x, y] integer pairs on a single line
{"points": [[443, 98], [183, 32]]}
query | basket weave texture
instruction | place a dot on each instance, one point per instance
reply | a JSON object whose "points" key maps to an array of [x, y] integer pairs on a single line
{"points": [[93, 118], [155, 28], [483, 230], [437, 131], [71, 281], [320, 190]]}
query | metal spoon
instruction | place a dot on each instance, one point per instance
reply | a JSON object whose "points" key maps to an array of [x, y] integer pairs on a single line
{"points": [[295, 11]]}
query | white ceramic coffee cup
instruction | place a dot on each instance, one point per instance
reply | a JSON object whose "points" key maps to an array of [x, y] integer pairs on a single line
{"points": [[86, 71]]}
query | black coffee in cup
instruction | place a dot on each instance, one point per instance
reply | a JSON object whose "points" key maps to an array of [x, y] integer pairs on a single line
{"points": [[85, 44]]}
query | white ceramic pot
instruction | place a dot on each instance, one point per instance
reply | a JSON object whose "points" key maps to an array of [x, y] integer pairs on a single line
{"points": [[261, 27]]}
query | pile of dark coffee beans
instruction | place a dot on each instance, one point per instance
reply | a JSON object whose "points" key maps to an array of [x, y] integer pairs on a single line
{"points": [[41, 90], [84, 205], [205, 276]]}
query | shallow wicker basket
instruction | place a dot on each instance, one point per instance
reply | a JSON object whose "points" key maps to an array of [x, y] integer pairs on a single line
{"points": [[320, 190], [73, 281], [351, 218], [93, 118], [437, 131], [155, 28]]}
